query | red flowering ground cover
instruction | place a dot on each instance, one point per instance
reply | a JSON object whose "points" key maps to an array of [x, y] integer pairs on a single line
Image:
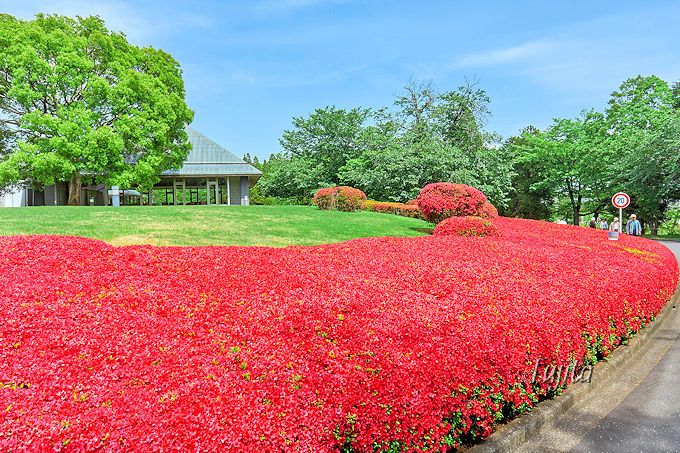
{"points": [[363, 344], [466, 226]]}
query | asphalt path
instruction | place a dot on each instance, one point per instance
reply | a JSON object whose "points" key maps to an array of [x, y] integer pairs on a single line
{"points": [[648, 419], [638, 412]]}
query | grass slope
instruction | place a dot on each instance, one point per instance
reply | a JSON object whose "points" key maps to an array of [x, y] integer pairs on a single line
{"points": [[207, 225]]}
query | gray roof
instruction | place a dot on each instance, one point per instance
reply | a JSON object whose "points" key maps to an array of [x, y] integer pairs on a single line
{"points": [[207, 158]]}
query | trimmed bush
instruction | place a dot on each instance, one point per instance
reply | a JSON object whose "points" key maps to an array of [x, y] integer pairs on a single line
{"points": [[388, 207], [340, 198], [442, 200], [466, 226]]}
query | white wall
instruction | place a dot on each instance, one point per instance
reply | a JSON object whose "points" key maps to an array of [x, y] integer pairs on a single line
{"points": [[13, 199]]}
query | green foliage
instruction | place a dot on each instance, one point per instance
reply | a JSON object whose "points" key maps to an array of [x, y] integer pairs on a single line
{"points": [[571, 158], [327, 139], [78, 100], [643, 118], [655, 171], [429, 137], [528, 198], [580, 163], [286, 177]]}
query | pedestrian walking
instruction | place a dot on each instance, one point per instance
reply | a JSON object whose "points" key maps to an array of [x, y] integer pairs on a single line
{"points": [[592, 223], [603, 224], [615, 225], [633, 226]]}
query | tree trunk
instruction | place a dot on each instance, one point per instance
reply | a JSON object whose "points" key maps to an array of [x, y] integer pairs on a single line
{"points": [[74, 187], [577, 215], [654, 227]]}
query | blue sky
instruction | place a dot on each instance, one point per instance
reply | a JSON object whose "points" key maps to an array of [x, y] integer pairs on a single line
{"points": [[251, 66]]}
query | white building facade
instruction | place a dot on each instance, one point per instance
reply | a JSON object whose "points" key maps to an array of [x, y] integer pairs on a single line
{"points": [[13, 199]]}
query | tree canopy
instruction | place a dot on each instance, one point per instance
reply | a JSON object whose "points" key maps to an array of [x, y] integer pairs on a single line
{"points": [[391, 154], [632, 146], [78, 101]]}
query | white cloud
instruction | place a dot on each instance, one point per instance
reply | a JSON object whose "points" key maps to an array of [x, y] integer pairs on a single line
{"points": [[138, 25], [507, 55]]}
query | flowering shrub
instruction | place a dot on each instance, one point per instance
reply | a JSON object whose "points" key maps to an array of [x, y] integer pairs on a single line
{"points": [[441, 200], [386, 207], [341, 198], [368, 344], [488, 211], [466, 226]]}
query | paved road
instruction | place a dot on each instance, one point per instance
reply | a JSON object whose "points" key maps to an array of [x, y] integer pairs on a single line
{"points": [[648, 419]]}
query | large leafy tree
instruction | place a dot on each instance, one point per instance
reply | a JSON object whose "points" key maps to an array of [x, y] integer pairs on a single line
{"points": [[642, 125], [430, 137], [80, 102], [427, 137], [286, 177], [571, 159], [528, 197], [654, 172], [329, 137]]}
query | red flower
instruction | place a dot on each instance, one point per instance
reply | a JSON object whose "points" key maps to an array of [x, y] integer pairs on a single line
{"points": [[341, 198], [420, 341], [441, 200], [466, 226]]}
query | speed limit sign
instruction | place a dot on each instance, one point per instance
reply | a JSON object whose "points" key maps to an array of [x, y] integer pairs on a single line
{"points": [[621, 200]]}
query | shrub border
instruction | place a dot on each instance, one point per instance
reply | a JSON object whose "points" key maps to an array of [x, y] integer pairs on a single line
{"points": [[511, 437]]}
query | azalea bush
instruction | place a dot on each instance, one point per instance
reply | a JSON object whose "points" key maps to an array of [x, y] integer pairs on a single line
{"points": [[371, 344], [466, 226], [340, 198], [388, 207], [442, 200]]}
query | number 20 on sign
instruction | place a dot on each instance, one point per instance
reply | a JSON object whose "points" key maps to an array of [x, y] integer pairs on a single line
{"points": [[619, 200]]}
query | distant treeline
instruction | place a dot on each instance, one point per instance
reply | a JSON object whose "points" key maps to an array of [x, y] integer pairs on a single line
{"points": [[566, 171]]}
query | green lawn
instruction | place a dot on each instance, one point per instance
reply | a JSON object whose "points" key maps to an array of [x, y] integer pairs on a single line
{"points": [[207, 225]]}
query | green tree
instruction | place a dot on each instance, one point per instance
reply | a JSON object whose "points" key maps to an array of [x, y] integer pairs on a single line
{"points": [[328, 138], [528, 198], [642, 126], [430, 137], [395, 168], [654, 174], [284, 176], [79, 102], [571, 158]]}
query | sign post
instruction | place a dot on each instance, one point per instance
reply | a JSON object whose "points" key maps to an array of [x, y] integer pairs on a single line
{"points": [[619, 200]]}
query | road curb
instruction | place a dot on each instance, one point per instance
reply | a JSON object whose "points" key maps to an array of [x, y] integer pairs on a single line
{"points": [[513, 435]]}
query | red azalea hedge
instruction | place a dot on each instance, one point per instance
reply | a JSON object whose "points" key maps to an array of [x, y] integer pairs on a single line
{"points": [[422, 341], [340, 198], [466, 226], [441, 200], [388, 207]]}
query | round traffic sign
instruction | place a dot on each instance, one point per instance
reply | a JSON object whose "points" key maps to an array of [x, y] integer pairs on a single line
{"points": [[620, 200]]}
